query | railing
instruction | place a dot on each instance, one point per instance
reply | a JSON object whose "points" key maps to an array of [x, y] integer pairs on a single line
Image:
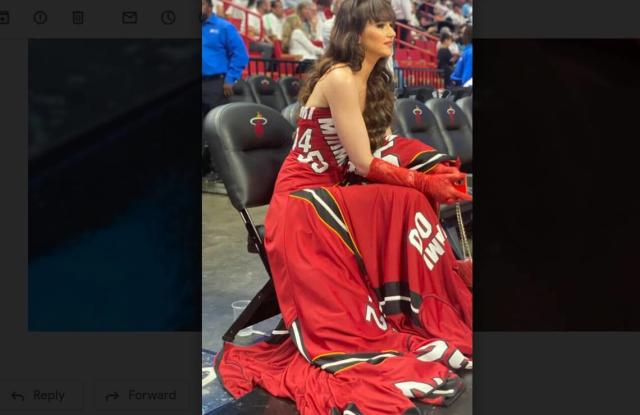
{"points": [[246, 12], [409, 77], [426, 44], [405, 76], [276, 68]]}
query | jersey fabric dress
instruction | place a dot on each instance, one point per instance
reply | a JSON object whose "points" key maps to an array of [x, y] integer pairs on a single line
{"points": [[376, 313]]}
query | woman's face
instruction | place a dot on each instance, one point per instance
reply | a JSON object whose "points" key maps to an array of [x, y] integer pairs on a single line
{"points": [[377, 39]]}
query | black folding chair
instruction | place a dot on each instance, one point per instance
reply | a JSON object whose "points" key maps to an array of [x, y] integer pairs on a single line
{"points": [[249, 142], [455, 130], [466, 104], [413, 119]]}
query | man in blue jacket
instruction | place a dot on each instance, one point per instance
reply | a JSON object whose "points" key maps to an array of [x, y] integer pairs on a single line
{"points": [[464, 68], [224, 57]]}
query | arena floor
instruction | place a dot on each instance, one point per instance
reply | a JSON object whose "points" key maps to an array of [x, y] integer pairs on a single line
{"points": [[230, 273]]}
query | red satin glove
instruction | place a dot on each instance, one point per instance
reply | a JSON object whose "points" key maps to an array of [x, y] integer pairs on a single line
{"points": [[438, 186]]}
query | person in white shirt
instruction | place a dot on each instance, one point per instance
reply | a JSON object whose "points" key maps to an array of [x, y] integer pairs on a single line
{"points": [[273, 21], [327, 26], [261, 8], [260, 42], [456, 16], [324, 12], [235, 12], [406, 15], [295, 39]]}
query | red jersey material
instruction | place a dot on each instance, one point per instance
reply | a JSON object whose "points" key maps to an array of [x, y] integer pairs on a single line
{"points": [[377, 314]]}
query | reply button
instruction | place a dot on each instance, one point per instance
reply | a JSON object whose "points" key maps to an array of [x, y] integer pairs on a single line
{"points": [[141, 396]]}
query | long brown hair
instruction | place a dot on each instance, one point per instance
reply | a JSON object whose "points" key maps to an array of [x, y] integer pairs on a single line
{"points": [[344, 47]]}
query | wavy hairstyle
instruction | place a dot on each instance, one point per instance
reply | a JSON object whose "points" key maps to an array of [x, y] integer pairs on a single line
{"points": [[344, 48]]}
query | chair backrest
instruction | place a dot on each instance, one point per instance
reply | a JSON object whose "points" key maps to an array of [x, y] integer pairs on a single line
{"points": [[425, 93], [267, 92], [461, 91], [413, 119], [290, 88], [466, 104], [455, 129], [248, 143], [291, 113], [241, 92]]}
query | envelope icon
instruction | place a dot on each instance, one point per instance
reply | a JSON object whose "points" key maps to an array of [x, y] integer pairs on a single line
{"points": [[129, 17]]}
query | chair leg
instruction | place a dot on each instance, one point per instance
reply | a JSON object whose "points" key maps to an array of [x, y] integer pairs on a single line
{"points": [[263, 306], [454, 239]]}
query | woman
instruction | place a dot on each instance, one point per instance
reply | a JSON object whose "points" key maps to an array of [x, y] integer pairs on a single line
{"points": [[295, 40], [376, 311]]}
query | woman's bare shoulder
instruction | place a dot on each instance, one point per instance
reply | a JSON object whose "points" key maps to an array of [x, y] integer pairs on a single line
{"points": [[338, 73]]}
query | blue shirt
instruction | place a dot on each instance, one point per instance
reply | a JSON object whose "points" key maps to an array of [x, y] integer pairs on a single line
{"points": [[223, 50], [464, 67]]}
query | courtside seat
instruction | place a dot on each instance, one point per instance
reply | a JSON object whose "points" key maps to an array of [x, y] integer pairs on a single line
{"points": [[461, 91], [241, 92], [466, 104], [291, 113], [455, 130], [249, 142], [425, 93], [267, 92], [290, 87], [413, 119]]}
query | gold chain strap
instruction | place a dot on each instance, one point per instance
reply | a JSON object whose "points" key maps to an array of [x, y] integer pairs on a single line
{"points": [[466, 249]]}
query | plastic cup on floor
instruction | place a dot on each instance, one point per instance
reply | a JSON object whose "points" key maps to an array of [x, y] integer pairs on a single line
{"points": [[238, 307]]}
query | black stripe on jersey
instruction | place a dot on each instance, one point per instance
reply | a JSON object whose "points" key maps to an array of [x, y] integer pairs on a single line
{"points": [[334, 363], [426, 160], [407, 303], [329, 212]]}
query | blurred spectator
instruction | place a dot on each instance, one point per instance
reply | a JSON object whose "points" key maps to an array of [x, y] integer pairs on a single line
{"points": [[425, 14], [237, 13], [291, 4], [324, 12], [453, 47], [295, 39], [440, 8], [454, 15], [273, 21], [467, 9], [328, 24], [218, 8], [445, 57], [260, 42], [313, 23], [405, 15], [224, 57], [464, 68]]}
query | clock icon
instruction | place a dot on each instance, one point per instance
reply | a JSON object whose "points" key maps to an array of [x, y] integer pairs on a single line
{"points": [[168, 17]]}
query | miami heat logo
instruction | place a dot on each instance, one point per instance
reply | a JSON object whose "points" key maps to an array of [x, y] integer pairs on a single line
{"points": [[452, 114], [418, 113], [258, 122]]}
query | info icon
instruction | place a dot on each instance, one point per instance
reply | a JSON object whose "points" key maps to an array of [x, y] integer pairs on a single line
{"points": [[4, 17]]}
